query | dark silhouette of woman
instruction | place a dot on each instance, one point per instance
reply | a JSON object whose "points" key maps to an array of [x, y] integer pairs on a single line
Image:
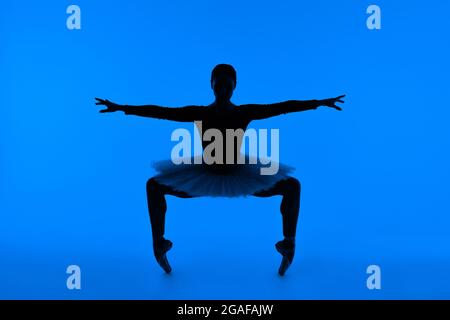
{"points": [[193, 180]]}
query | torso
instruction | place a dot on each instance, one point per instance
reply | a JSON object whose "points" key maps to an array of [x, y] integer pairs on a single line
{"points": [[223, 119]]}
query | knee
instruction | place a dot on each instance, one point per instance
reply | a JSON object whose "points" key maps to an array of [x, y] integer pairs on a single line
{"points": [[152, 186], [293, 185]]}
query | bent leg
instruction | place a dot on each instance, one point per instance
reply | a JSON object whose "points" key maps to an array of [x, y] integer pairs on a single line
{"points": [[290, 190], [157, 208]]}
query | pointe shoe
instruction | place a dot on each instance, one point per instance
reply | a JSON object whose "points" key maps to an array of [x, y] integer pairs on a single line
{"points": [[286, 249], [160, 249]]}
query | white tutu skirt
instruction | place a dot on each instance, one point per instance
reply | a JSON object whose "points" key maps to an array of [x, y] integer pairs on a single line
{"points": [[218, 180]]}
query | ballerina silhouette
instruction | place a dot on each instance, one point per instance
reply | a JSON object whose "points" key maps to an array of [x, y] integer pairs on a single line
{"points": [[229, 180]]}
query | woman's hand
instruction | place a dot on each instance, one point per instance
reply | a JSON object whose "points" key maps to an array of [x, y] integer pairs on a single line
{"points": [[110, 106], [331, 103]]}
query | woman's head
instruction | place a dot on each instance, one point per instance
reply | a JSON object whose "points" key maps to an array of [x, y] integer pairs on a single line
{"points": [[223, 81]]}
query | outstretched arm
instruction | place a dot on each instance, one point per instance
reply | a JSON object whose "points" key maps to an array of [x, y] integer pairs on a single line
{"points": [[182, 114], [263, 111]]}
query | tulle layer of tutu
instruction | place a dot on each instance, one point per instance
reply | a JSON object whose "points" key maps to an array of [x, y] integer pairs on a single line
{"points": [[218, 180]]}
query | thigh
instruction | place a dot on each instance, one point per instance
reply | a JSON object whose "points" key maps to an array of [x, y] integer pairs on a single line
{"points": [[275, 190], [168, 190], [288, 186]]}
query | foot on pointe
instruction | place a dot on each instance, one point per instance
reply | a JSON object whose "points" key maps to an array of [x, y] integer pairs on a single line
{"points": [[160, 249], [287, 249]]}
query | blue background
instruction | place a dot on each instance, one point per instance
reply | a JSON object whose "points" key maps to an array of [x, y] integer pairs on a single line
{"points": [[375, 176]]}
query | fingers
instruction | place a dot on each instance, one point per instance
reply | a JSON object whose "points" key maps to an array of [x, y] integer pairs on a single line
{"points": [[102, 101], [339, 99]]}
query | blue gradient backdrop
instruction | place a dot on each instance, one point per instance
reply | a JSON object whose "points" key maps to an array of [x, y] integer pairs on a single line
{"points": [[375, 177]]}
